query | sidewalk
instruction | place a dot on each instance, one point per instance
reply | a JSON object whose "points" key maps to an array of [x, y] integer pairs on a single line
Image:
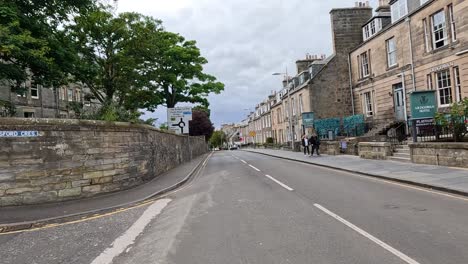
{"points": [[46, 212], [448, 179]]}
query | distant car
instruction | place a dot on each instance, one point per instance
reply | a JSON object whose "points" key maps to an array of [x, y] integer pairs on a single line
{"points": [[216, 149], [233, 148]]}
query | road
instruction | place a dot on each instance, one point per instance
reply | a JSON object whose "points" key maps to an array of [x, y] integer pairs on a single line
{"points": [[249, 208]]}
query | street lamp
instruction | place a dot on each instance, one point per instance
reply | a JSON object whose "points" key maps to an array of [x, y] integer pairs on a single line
{"points": [[289, 108]]}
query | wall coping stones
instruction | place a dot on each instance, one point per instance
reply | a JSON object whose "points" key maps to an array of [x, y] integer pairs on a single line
{"points": [[440, 145]]}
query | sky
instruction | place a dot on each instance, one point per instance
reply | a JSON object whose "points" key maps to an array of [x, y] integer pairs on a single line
{"points": [[245, 42]]}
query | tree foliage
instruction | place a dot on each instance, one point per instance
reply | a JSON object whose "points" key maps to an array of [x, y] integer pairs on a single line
{"points": [[32, 44], [201, 124], [218, 139], [456, 120]]}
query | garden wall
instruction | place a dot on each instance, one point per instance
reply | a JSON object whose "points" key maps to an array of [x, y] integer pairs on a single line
{"points": [[47, 160], [443, 154]]}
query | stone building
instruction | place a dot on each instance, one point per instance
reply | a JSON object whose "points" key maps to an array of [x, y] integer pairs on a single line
{"points": [[423, 48], [43, 102]]}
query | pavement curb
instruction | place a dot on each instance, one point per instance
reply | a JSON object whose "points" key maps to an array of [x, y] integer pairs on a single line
{"points": [[22, 226], [427, 186]]}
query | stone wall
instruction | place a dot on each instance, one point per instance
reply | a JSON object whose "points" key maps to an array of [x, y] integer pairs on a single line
{"points": [[375, 150], [72, 159], [443, 154]]}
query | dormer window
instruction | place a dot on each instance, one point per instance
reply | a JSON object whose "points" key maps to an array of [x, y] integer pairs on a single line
{"points": [[372, 28], [399, 9]]}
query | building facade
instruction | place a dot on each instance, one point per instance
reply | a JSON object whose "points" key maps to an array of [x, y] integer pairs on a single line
{"points": [[42, 102], [423, 48]]}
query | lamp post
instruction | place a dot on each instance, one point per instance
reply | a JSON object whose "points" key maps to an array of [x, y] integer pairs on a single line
{"points": [[289, 106]]}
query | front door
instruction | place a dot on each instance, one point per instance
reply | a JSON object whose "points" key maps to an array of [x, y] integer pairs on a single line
{"points": [[399, 102]]}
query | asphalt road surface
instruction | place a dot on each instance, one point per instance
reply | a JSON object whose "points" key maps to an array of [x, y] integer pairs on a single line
{"points": [[249, 208]]}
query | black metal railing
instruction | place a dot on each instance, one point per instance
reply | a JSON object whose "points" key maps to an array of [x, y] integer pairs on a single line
{"points": [[398, 135]]}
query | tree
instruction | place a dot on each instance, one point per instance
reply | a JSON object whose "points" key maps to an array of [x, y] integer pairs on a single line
{"points": [[201, 125], [32, 43], [178, 74], [115, 53], [218, 139], [202, 108], [456, 120]]}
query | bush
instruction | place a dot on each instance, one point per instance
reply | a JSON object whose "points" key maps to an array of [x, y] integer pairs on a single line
{"points": [[455, 120], [269, 140]]}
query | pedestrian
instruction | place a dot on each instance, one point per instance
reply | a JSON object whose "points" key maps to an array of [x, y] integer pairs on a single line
{"points": [[305, 145], [315, 142]]}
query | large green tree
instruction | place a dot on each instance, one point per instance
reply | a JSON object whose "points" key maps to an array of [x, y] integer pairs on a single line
{"points": [[179, 75], [32, 42], [116, 53]]}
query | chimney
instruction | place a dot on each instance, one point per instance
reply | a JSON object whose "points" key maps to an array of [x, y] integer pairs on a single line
{"points": [[347, 26], [384, 6]]}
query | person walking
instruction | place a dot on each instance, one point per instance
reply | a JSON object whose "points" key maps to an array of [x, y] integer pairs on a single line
{"points": [[305, 145], [315, 142]]}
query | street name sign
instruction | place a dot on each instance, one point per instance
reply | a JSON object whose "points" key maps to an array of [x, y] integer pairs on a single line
{"points": [[16, 134]]}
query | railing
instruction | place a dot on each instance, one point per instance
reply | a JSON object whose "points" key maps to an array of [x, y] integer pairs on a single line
{"points": [[397, 135], [355, 130]]}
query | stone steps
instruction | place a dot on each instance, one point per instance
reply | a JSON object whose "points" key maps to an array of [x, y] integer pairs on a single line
{"points": [[401, 154]]}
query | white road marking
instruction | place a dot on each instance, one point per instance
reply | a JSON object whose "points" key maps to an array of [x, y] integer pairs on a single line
{"points": [[394, 251], [244, 161], [128, 238], [254, 168], [280, 183]]}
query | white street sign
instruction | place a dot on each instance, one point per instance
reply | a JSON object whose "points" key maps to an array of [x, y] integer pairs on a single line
{"points": [[178, 119]]}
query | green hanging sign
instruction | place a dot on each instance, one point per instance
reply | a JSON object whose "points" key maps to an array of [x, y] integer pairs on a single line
{"points": [[308, 120]]}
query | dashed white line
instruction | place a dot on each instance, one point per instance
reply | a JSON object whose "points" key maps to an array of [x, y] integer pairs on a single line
{"points": [[244, 161], [392, 250], [128, 238], [253, 167], [280, 183]]}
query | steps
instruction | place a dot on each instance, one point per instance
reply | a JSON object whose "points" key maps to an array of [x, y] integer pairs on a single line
{"points": [[402, 154]]}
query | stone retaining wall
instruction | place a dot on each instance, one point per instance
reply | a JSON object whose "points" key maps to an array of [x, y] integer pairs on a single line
{"points": [[71, 159], [375, 150], [443, 154]]}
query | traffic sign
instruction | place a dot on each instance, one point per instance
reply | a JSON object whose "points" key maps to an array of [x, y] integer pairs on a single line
{"points": [[178, 119]]}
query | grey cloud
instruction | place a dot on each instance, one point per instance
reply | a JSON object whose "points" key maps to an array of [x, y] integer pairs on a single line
{"points": [[245, 41]]}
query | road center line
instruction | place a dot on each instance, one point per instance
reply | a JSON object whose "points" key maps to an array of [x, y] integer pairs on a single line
{"points": [[128, 238], [244, 161], [394, 251], [280, 183], [254, 168]]}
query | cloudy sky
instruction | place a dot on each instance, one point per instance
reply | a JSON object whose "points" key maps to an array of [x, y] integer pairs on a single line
{"points": [[245, 41]]}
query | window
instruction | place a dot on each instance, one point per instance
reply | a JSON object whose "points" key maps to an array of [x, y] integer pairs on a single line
{"points": [[366, 32], [423, 2], [444, 88], [77, 95], [301, 106], [372, 27], [23, 93], [426, 36], [391, 52], [34, 91], [452, 23], [430, 85], [293, 107], [364, 65], [62, 93], [399, 9], [28, 114], [458, 91], [439, 33], [368, 104], [70, 94]]}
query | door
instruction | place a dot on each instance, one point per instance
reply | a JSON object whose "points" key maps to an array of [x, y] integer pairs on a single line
{"points": [[399, 102]]}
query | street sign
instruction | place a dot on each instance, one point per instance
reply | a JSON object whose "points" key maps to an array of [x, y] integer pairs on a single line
{"points": [[423, 104], [252, 133], [16, 134], [308, 120], [178, 119]]}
